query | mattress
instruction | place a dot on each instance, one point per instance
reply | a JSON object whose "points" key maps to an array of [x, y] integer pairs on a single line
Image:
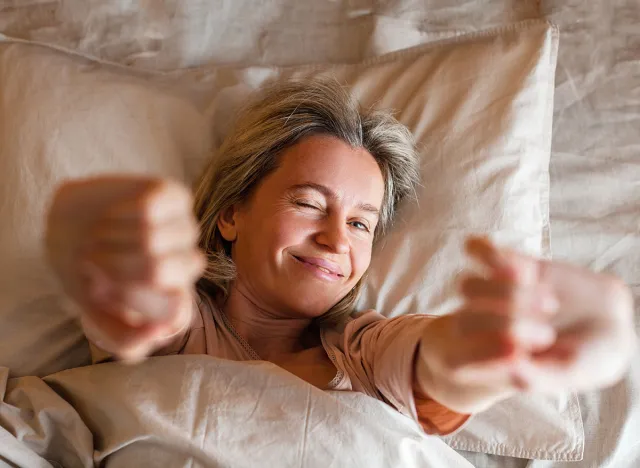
{"points": [[595, 164]]}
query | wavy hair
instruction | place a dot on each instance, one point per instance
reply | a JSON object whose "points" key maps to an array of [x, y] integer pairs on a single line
{"points": [[278, 117]]}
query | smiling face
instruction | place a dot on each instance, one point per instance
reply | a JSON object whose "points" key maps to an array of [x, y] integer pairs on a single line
{"points": [[304, 238]]}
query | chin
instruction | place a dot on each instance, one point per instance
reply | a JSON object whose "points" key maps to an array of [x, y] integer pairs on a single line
{"points": [[309, 305]]}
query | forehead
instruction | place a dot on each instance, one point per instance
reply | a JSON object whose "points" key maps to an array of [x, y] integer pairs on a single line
{"points": [[352, 173]]}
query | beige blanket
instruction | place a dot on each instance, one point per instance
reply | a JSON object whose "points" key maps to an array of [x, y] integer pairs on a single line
{"points": [[188, 411]]}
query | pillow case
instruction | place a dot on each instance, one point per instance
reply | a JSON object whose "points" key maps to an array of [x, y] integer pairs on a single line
{"points": [[479, 105], [64, 116]]}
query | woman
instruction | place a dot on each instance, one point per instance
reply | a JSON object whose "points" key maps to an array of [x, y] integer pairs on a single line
{"points": [[288, 213]]}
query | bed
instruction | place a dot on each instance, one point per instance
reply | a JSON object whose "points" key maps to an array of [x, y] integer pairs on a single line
{"points": [[595, 166]]}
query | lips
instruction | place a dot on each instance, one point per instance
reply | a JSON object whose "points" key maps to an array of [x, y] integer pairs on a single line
{"points": [[322, 264]]}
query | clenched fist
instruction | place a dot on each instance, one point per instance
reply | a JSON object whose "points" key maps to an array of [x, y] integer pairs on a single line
{"points": [[125, 250], [527, 324]]}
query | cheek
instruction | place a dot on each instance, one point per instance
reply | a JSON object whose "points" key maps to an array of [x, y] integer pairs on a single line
{"points": [[360, 257], [285, 230]]}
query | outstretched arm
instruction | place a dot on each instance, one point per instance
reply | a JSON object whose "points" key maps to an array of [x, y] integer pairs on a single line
{"points": [[526, 325], [124, 249]]}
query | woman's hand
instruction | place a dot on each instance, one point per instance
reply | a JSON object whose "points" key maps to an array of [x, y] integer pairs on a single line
{"points": [[125, 251], [527, 325]]}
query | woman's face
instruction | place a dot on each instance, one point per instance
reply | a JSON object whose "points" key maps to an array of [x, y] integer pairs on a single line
{"points": [[304, 238]]}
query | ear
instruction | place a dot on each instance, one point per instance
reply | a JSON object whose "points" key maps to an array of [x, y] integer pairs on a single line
{"points": [[227, 223]]}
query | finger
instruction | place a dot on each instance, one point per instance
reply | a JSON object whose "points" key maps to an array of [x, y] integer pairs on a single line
{"points": [[513, 299], [133, 237], [548, 377], [483, 250], [529, 333], [504, 263], [553, 368], [116, 337], [151, 304], [173, 270], [159, 202], [139, 305], [483, 354], [477, 286], [75, 197], [471, 321], [559, 355], [105, 329]]}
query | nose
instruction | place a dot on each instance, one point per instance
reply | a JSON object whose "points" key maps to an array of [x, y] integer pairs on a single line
{"points": [[334, 236]]}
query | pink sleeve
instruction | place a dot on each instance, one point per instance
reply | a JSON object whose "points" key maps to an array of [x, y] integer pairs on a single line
{"points": [[378, 355]]}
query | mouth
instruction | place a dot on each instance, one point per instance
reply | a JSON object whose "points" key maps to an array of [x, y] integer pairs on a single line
{"points": [[322, 265]]}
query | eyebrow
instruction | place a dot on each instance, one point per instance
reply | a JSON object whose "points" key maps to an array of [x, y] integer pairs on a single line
{"points": [[327, 192]]}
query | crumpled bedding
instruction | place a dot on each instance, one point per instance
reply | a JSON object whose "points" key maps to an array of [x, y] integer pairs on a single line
{"points": [[199, 411], [595, 196]]}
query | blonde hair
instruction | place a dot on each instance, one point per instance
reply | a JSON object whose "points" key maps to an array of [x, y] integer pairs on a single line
{"points": [[281, 115]]}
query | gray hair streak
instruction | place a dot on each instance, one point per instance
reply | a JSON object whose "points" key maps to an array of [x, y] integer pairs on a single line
{"points": [[281, 115]]}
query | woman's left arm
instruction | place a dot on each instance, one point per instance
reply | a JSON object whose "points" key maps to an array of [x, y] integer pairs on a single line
{"points": [[379, 355], [527, 325]]}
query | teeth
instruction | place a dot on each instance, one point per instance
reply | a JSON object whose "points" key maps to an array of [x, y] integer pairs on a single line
{"points": [[324, 269]]}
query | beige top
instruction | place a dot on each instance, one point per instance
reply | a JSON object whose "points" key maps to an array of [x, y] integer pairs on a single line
{"points": [[372, 354]]}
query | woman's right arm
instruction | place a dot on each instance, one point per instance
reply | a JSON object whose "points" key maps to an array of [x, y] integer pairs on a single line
{"points": [[125, 250]]}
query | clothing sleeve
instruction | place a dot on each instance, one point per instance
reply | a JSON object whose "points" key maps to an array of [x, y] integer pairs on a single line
{"points": [[379, 355]]}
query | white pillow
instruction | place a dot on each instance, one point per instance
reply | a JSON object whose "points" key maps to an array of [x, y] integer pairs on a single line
{"points": [[480, 106], [64, 116]]}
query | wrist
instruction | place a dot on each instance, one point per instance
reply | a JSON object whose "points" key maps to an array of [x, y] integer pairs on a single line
{"points": [[435, 380]]}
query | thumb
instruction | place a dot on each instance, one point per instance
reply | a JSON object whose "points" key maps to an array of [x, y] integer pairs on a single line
{"points": [[503, 263]]}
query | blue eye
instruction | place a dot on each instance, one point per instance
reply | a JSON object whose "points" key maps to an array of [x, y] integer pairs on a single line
{"points": [[359, 225]]}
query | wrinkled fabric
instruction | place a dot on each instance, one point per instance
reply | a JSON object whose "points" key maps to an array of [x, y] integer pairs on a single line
{"points": [[186, 411], [169, 34]]}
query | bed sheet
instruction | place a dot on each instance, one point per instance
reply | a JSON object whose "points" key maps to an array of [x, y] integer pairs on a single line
{"points": [[188, 411], [595, 164]]}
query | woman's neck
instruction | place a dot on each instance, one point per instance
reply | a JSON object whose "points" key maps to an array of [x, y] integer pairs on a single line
{"points": [[270, 335]]}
